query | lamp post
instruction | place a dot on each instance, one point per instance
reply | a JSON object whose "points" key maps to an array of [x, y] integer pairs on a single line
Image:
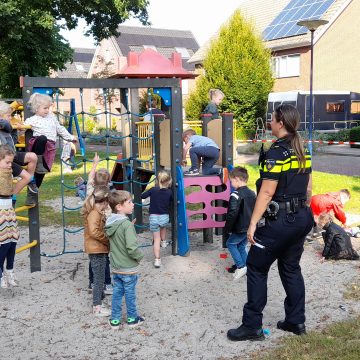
{"points": [[311, 25]]}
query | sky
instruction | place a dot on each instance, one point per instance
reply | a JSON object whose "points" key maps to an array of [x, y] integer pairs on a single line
{"points": [[202, 17]]}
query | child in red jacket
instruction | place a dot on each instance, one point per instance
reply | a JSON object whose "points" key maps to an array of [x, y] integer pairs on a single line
{"points": [[331, 203]]}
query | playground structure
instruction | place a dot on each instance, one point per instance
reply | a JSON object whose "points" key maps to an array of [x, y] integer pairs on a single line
{"points": [[146, 148]]}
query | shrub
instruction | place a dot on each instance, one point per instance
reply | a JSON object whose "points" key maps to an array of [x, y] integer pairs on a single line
{"points": [[341, 135], [355, 136], [244, 133], [239, 64]]}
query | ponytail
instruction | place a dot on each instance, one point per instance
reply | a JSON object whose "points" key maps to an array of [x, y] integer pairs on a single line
{"points": [[298, 147], [290, 117]]}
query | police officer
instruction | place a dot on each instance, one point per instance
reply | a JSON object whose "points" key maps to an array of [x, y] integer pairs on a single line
{"points": [[280, 221]]}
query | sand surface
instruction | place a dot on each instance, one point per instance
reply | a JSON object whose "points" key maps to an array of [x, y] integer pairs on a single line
{"points": [[189, 304]]}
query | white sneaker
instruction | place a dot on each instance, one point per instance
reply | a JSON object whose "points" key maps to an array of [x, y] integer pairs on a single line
{"points": [[11, 278], [164, 243], [99, 310], [108, 290], [239, 273], [4, 282], [157, 263]]}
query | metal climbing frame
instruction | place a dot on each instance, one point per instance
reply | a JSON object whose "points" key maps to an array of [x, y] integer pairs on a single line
{"points": [[129, 88]]}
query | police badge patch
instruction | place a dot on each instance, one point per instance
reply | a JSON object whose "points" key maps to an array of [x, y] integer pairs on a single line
{"points": [[270, 163]]}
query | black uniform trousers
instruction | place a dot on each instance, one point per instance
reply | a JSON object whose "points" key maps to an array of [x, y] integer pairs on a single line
{"points": [[283, 239]]}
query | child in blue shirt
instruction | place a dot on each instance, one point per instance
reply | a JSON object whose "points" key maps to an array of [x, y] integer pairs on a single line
{"points": [[160, 199], [202, 147]]}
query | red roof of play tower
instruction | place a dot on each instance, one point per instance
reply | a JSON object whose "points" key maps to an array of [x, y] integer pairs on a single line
{"points": [[150, 63]]}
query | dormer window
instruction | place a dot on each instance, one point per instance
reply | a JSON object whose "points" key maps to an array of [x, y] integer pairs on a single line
{"points": [[150, 47], [183, 51], [79, 67]]}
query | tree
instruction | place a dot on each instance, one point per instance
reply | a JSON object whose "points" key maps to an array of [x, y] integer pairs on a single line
{"points": [[239, 64], [30, 42]]}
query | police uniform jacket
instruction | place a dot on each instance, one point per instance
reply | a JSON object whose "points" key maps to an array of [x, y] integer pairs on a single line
{"points": [[241, 206], [280, 163]]}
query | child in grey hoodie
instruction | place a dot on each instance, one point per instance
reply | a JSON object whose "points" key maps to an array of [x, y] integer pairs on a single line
{"points": [[124, 258]]}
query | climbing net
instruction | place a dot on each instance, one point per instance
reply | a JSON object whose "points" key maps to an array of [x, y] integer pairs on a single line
{"points": [[129, 134]]}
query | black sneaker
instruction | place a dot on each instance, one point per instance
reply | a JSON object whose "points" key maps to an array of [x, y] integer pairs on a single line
{"points": [[192, 172], [114, 324], [33, 188], [133, 322], [232, 269], [243, 333]]}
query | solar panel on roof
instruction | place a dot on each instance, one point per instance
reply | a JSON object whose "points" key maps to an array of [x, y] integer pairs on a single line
{"points": [[284, 25]]}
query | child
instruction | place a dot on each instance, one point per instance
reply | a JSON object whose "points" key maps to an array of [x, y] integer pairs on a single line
{"points": [[332, 202], [241, 205], [124, 257], [216, 97], [205, 148], [152, 110], [337, 241], [160, 199], [9, 233], [96, 243], [8, 136], [45, 129], [98, 178]]}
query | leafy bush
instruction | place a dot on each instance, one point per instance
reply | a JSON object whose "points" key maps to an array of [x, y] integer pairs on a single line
{"points": [[239, 64], [341, 135], [100, 137], [244, 133], [355, 136]]}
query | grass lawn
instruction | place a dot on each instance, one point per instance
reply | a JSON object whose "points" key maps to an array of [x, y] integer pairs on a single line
{"points": [[51, 189], [339, 341]]}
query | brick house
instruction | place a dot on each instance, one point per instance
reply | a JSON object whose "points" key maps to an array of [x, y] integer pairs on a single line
{"points": [[112, 53], [336, 45]]}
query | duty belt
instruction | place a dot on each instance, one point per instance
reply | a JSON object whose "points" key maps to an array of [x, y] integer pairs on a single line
{"points": [[292, 204]]}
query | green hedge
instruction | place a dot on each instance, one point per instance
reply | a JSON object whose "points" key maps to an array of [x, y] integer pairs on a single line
{"points": [[355, 136]]}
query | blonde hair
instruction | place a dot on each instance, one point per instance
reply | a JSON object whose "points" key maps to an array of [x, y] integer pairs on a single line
{"points": [[99, 195], [6, 150], [5, 108], [117, 197], [164, 179], [36, 100], [324, 218], [214, 93], [102, 177], [188, 132]]}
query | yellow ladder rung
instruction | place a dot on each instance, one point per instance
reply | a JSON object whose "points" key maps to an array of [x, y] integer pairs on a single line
{"points": [[23, 208], [27, 246], [22, 218], [20, 145]]}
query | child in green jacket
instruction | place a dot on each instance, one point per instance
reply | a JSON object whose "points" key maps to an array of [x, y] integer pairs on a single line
{"points": [[124, 258]]}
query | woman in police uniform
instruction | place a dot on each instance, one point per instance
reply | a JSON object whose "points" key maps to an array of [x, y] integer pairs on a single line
{"points": [[279, 224]]}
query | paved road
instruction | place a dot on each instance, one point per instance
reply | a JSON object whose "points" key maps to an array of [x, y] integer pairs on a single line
{"points": [[345, 164], [329, 163]]}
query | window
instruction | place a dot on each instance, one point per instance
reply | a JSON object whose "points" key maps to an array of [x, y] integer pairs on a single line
{"points": [[335, 106], [183, 51], [286, 66], [355, 106], [79, 67], [150, 47]]}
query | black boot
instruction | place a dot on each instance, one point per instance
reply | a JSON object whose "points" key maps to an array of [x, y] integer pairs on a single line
{"points": [[31, 198], [297, 329], [243, 333], [40, 166]]}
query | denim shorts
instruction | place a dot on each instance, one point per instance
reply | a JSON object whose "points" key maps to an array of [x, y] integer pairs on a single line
{"points": [[158, 221]]}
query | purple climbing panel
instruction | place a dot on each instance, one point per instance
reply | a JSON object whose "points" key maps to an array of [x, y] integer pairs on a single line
{"points": [[206, 198]]}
